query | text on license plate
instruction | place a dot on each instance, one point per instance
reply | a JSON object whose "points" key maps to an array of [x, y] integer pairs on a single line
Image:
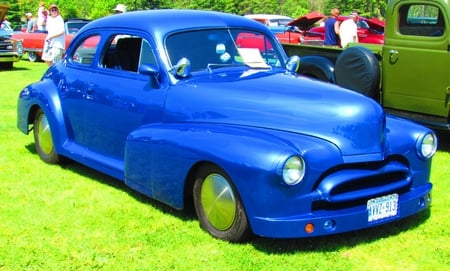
{"points": [[382, 207]]}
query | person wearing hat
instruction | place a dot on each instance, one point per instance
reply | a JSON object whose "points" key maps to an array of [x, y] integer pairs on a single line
{"points": [[120, 8], [348, 30], [31, 22], [55, 42]]}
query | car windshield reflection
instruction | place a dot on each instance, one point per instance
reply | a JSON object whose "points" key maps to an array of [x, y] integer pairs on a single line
{"points": [[209, 49]]}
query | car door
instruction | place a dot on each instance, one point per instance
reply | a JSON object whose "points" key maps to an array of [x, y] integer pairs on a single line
{"points": [[116, 98], [416, 60]]}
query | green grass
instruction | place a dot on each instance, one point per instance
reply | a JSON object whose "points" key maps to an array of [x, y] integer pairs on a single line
{"points": [[73, 218]]}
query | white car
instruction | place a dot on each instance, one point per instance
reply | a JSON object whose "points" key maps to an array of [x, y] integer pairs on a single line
{"points": [[270, 19]]}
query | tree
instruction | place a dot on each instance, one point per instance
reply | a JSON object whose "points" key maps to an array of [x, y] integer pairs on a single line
{"points": [[95, 9]]}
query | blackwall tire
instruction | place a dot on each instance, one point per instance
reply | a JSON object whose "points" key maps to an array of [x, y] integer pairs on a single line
{"points": [[357, 68]]}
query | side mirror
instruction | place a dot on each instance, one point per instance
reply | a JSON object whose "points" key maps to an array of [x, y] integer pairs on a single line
{"points": [[293, 64], [182, 69]]}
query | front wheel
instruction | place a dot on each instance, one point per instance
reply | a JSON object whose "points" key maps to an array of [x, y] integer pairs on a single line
{"points": [[43, 139], [218, 206]]}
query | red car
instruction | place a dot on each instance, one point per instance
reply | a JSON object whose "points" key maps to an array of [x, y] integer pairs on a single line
{"points": [[303, 30], [33, 43]]}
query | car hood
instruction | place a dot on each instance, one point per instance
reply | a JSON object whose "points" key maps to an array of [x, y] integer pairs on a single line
{"points": [[307, 21], [373, 23], [376, 24], [282, 102]]}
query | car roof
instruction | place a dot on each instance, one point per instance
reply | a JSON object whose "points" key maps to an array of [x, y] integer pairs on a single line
{"points": [[170, 20]]}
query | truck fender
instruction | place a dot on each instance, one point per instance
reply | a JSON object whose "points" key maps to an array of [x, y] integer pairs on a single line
{"points": [[317, 67], [357, 68]]}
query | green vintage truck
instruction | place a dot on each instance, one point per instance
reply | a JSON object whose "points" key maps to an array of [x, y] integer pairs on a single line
{"points": [[409, 75]]}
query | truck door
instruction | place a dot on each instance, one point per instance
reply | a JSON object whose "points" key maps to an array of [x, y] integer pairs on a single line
{"points": [[416, 59]]}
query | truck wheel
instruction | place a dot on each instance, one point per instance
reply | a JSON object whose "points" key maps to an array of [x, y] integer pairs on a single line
{"points": [[357, 68]]}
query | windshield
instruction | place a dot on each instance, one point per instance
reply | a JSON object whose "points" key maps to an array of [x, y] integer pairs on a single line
{"points": [[210, 48], [280, 21], [73, 27]]}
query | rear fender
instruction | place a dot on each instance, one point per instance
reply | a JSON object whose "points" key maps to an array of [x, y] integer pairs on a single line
{"points": [[317, 67]]}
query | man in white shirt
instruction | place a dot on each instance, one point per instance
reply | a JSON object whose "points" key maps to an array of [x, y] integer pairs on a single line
{"points": [[349, 30]]}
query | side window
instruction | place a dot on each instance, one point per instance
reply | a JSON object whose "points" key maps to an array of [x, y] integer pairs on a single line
{"points": [[421, 20], [127, 52], [85, 52]]}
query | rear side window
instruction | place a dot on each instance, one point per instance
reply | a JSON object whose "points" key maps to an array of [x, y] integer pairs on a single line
{"points": [[127, 53], [85, 52], [421, 20]]}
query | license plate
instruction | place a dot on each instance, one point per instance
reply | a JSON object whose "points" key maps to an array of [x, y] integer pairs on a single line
{"points": [[382, 207]]}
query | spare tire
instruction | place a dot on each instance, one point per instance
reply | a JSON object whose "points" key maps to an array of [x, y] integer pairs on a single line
{"points": [[357, 68]]}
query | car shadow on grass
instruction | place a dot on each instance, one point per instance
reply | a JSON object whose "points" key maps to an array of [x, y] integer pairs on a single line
{"points": [[14, 69], [336, 242], [105, 179], [328, 243]]}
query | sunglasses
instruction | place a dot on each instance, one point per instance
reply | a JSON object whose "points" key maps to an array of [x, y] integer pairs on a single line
{"points": [[54, 9]]}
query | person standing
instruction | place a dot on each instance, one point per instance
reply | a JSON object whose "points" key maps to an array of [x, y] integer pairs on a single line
{"points": [[41, 17], [349, 30], [31, 22], [55, 41], [332, 29]]}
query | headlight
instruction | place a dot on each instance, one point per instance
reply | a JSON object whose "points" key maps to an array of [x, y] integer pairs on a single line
{"points": [[427, 145], [293, 170], [19, 47]]}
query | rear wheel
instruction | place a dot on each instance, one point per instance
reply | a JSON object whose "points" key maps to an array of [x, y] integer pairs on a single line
{"points": [[43, 139], [218, 206], [32, 56]]}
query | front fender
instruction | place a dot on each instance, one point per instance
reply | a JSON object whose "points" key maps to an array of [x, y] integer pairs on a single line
{"points": [[32, 98], [159, 158]]}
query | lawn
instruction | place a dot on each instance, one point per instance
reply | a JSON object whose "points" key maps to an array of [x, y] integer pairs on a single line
{"points": [[73, 218]]}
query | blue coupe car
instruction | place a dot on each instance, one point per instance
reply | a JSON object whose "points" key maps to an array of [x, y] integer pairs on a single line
{"points": [[204, 109]]}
